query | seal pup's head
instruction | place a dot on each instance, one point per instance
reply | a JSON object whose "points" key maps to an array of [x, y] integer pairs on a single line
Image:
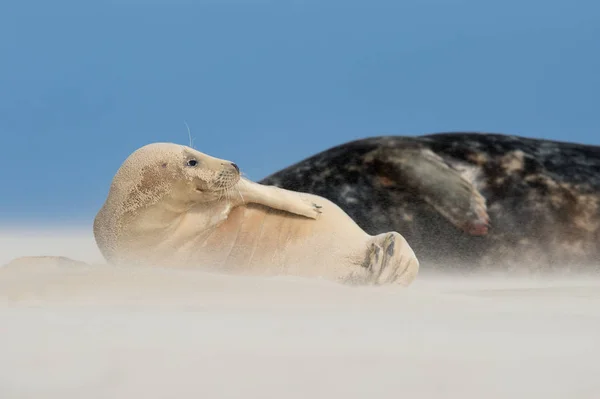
{"points": [[183, 173], [157, 182]]}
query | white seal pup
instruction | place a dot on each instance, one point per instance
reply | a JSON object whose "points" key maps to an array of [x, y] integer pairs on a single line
{"points": [[171, 205]]}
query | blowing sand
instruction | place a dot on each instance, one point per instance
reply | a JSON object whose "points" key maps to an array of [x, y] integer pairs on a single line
{"points": [[102, 332]]}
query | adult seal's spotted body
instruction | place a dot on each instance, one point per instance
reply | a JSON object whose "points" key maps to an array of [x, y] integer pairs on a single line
{"points": [[171, 205], [467, 200]]}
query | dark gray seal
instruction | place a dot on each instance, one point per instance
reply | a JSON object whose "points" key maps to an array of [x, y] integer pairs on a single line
{"points": [[467, 201]]}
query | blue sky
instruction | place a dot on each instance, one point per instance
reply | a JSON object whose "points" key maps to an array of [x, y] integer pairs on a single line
{"points": [[268, 83]]}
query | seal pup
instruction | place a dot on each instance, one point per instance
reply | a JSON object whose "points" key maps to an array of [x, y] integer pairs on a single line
{"points": [[467, 201], [171, 205]]}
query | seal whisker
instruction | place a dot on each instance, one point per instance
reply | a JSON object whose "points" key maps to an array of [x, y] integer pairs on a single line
{"points": [[189, 135], [241, 196]]}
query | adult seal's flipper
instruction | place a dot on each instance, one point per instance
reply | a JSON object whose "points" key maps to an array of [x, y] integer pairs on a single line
{"points": [[429, 177]]}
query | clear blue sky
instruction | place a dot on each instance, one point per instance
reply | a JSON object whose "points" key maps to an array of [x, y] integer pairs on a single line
{"points": [[267, 83]]}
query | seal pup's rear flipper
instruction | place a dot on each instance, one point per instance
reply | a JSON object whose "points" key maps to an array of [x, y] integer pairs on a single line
{"points": [[429, 177]]}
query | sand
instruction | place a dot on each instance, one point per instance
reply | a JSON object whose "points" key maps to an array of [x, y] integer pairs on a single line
{"points": [[102, 332]]}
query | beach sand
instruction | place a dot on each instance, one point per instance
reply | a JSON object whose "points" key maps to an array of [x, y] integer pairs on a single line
{"points": [[73, 331]]}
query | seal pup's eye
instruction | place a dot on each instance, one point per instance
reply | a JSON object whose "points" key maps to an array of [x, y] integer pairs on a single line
{"points": [[192, 162]]}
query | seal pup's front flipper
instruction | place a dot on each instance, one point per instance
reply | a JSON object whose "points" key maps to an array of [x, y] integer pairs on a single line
{"points": [[430, 178], [277, 198]]}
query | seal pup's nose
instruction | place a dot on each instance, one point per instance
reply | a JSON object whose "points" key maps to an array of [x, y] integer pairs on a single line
{"points": [[236, 167]]}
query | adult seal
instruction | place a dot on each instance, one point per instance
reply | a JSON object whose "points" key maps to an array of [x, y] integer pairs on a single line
{"points": [[171, 205], [467, 201]]}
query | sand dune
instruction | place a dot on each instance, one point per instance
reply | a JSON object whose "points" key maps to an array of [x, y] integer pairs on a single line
{"points": [[103, 332]]}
